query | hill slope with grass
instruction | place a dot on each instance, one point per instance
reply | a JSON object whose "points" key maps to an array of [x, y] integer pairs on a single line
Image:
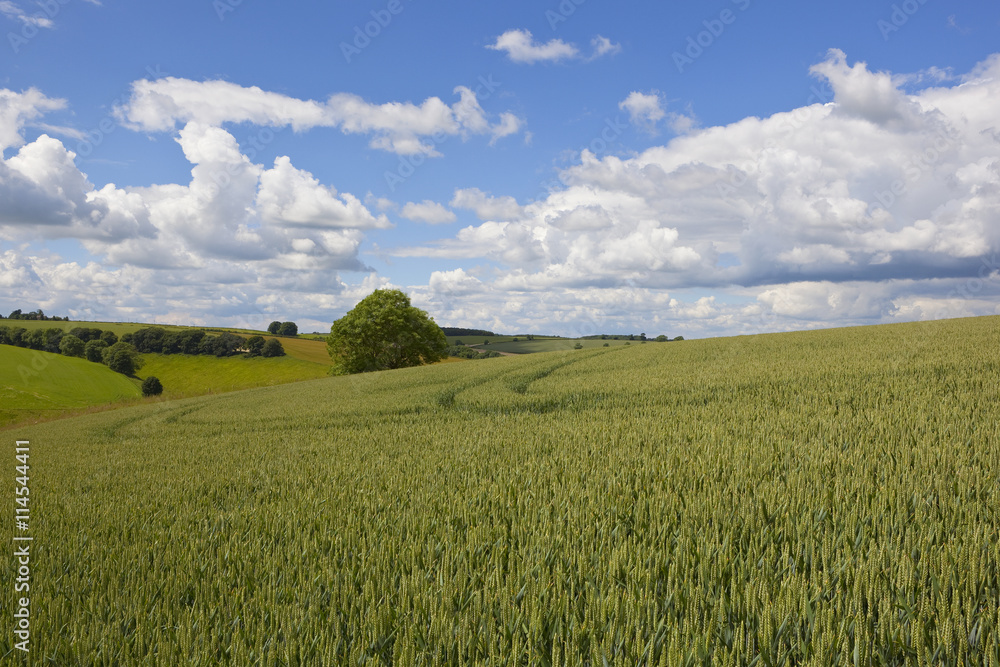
{"points": [[36, 385], [194, 375], [827, 497]]}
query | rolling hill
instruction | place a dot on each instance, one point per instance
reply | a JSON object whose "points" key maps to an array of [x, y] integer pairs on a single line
{"points": [[823, 497], [38, 385]]}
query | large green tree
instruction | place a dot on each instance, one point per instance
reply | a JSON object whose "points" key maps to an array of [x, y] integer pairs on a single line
{"points": [[122, 358], [382, 332]]}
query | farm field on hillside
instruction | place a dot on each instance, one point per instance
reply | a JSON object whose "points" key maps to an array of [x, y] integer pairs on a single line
{"points": [[313, 351], [68, 384], [40, 385], [193, 375], [827, 497]]}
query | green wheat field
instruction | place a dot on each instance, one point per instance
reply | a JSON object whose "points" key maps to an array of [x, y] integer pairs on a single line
{"points": [[819, 498]]}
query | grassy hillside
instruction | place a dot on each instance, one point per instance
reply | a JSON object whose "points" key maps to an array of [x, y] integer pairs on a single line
{"points": [[310, 350], [36, 385], [67, 385], [820, 498], [189, 375]]}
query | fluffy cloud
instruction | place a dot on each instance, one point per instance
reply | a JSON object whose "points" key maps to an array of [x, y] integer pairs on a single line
{"points": [[643, 109], [485, 206], [520, 47], [235, 223], [427, 211], [877, 187], [646, 110], [603, 46], [45, 195], [295, 198], [19, 109], [398, 127], [453, 283]]}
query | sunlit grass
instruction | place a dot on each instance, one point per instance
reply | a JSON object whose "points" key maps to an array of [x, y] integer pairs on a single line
{"points": [[39, 385]]}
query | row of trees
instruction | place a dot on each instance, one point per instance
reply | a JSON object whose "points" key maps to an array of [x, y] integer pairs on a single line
{"points": [[465, 352], [34, 315], [283, 328], [157, 340], [640, 337], [458, 331], [123, 356], [51, 340], [101, 347]]}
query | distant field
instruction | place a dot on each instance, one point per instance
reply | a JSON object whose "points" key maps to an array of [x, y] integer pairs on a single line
{"points": [[305, 349], [820, 498], [36, 385], [478, 340], [194, 375], [118, 328], [523, 346]]}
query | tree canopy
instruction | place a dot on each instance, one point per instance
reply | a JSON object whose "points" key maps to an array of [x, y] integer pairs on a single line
{"points": [[122, 358], [384, 332]]}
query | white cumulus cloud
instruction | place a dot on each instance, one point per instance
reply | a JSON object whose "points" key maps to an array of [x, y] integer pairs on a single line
{"points": [[399, 127], [521, 47], [427, 211]]}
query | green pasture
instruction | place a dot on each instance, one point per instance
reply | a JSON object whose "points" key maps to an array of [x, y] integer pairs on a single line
{"points": [[40, 385], [194, 375]]}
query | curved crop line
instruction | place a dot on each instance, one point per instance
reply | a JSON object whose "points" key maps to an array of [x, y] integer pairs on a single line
{"points": [[518, 385], [521, 387]]}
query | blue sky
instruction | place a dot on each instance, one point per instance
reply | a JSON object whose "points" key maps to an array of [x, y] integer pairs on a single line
{"points": [[559, 167]]}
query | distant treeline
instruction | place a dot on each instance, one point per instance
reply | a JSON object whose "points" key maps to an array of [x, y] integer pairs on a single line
{"points": [[197, 341], [35, 315], [90, 343], [456, 331], [464, 352], [642, 337]]}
